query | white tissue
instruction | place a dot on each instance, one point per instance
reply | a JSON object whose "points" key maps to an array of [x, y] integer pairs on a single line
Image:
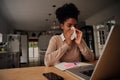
{"points": [[74, 33]]}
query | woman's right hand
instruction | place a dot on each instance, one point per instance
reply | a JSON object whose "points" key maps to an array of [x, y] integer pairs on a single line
{"points": [[68, 35]]}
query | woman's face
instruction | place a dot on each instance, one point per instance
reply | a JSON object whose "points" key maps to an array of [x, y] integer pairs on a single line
{"points": [[68, 23]]}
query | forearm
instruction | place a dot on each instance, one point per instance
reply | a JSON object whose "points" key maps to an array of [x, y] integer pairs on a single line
{"points": [[88, 55], [53, 57], [86, 52]]}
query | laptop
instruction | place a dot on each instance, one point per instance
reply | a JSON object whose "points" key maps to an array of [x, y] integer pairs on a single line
{"points": [[108, 66]]}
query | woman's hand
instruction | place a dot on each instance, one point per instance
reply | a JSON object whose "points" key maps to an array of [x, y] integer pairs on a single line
{"points": [[78, 37], [68, 35]]}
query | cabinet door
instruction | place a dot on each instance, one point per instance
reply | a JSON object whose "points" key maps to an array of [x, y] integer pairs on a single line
{"points": [[5, 60]]}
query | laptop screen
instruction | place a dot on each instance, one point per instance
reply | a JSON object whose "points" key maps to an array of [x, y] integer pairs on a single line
{"points": [[108, 66]]}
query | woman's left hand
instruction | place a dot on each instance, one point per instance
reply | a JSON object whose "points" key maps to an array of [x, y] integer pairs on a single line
{"points": [[78, 37]]}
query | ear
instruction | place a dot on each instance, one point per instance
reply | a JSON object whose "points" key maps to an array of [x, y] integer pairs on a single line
{"points": [[62, 26]]}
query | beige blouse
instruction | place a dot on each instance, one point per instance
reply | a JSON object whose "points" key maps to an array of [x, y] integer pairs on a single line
{"points": [[59, 51]]}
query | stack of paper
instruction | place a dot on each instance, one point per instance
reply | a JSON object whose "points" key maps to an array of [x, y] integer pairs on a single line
{"points": [[66, 65]]}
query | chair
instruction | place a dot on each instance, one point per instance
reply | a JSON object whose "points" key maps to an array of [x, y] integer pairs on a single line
{"points": [[43, 44]]}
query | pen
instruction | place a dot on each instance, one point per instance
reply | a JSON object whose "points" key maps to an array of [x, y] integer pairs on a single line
{"points": [[75, 63]]}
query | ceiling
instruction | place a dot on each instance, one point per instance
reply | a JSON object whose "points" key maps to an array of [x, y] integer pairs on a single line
{"points": [[33, 15]]}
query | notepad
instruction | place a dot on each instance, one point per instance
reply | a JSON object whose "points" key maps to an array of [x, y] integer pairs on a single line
{"points": [[68, 65]]}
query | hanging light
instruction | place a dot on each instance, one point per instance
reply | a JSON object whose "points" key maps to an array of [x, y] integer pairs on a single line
{"points": [[54, 23]]}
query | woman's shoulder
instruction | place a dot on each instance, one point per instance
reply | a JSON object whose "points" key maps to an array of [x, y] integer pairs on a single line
{"points": [[56, 37]]}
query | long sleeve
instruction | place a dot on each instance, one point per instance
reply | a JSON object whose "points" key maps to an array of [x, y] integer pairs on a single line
{"points": [[53, 54], [85, 51]]}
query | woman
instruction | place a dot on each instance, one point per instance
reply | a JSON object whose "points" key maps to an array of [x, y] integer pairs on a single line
{"points": [[63, 48]]}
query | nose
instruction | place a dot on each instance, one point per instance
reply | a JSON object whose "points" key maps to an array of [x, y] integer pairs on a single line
{"points": [[73, 28]]}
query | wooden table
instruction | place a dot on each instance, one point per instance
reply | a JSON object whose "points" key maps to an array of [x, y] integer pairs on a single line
{"points": [[32, 73]]}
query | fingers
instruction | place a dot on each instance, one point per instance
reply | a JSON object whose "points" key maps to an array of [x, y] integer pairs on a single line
{"points": [[71, 31], [68, 34], [78, 32], [79, 37]]}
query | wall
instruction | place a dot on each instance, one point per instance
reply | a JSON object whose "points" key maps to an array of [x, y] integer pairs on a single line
{"points": [[5, 29], [112, 11], [44, 41]]}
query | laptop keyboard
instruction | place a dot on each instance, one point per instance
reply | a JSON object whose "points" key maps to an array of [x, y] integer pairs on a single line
{"points": [[88, 72], [82, 72]]}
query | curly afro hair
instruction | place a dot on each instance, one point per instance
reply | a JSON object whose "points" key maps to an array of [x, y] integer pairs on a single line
{"points": [[67, 11]]}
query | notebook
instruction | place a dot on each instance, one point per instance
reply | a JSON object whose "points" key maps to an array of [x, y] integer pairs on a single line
{"points": [[68, 65], [108, 66]]}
